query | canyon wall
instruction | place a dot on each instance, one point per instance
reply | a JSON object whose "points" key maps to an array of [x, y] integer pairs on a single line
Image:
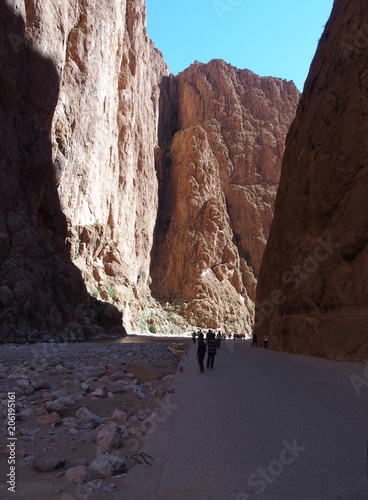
{"points": [[312, 292], [105, 131], [130, 199], [41, 292], [221, 135], [79, 110]]}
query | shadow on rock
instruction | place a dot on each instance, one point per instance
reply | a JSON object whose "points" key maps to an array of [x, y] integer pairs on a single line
{"points": [[42, 294]]}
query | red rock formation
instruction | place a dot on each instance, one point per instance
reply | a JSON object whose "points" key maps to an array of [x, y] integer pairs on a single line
{"points": [[198, 267], [105, 131], [227, 156], [312, 293]]}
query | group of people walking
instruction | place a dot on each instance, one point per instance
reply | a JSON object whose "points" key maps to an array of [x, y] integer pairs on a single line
{"points": [[221, 336], [212, 343]]}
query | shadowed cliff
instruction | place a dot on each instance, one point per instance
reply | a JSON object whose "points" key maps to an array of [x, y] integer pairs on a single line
{"points": [[312, 293], [42, 293]]}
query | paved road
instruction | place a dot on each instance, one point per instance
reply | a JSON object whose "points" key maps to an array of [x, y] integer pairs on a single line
{"points": [[261, 425]]}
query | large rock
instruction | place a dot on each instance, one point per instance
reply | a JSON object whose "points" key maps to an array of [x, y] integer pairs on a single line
{"points": [[222, 133], [313, 289], [104, 143], [48, 464], [40, 286], [77, 475]]}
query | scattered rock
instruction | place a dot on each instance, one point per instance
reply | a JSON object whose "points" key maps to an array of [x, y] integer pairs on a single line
{"points": [[137, 389], [108, 437], [108, 465], [60, 393], [77, 475], [88, 417], [51, 418], [118, 416], [99, 393], [59, 405], [48, 464], [118, 387]]}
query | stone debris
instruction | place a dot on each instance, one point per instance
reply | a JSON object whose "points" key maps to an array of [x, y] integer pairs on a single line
{"points": [[50, 418], [89, 409], [119, 416]]}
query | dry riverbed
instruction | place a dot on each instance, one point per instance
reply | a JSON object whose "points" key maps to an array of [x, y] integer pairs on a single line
{"points": [[80, 413]]}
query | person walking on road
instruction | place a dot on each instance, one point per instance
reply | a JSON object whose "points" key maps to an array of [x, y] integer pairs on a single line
{"points": [[201, 351], [265, 341], [212, 350], [254, 341], [219, 338]]}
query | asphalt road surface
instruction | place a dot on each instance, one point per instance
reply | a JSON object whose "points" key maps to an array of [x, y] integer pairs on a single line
{"points": [[260, 425]]}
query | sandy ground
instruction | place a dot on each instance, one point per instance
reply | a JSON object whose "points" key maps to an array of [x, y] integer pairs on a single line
{"points": [[123, 384]]}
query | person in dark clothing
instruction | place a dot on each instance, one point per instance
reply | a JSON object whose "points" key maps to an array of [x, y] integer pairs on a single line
{"points": [[212, 350], [254, 341], [194, 334], [201, 351]]}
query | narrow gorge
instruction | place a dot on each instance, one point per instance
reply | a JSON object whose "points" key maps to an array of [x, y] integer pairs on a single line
{"points": [[162, 187]]}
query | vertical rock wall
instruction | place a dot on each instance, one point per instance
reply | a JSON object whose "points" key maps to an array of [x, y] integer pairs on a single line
{"points": [[312, 292], [222, 133], [79, 106], [41, 293], [105, 131]]}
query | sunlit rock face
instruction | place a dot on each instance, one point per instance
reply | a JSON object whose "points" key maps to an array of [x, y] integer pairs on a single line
{"points": [[312, 292], [222, 134], [104, 135]]}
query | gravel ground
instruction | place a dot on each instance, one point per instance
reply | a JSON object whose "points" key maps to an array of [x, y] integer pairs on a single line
{"points": [[81, 413]]}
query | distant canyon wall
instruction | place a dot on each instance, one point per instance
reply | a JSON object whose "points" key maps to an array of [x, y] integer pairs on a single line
{"points": [[222, 134], [129, 196], [312, 294]]}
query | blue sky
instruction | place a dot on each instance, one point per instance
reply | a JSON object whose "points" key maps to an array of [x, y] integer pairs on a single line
{"points": [[270, 37]]}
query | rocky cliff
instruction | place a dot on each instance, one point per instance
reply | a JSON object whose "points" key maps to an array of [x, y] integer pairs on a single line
{"points": [[121, 184], [41, 292], [105, 131], [221, 136], [79, 106], [312, 292]]}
